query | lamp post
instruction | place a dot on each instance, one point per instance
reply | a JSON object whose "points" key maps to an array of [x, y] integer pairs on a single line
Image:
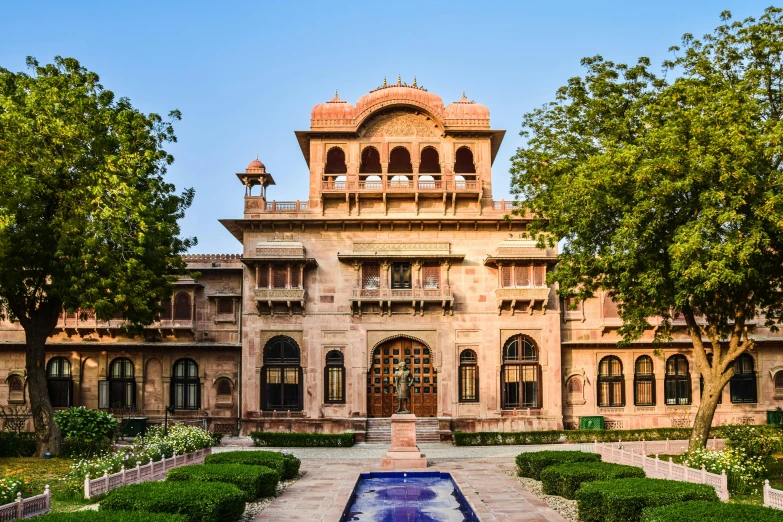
{"points": [[169, 409]]}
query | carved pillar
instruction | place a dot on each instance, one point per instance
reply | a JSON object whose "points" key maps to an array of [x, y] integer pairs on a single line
{"points": [[301, 275], [446, 267], [500, 275], [288, 275], [416, 274], [257, 275], [415, 174], [385, 276], [357, 267], [269, 283]]}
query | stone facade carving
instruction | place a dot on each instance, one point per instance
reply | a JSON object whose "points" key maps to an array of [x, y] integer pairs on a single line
{"points": [[401, 124]]}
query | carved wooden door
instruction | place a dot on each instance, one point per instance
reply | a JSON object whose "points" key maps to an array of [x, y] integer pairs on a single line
{"points": [[381, 398]]}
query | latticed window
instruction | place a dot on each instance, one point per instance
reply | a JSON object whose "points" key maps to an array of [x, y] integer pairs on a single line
{"points": [[263, 276], [122, 384], [574, 386], [677, 382], [166, 314], [279, 276], [644, 382], [779, 382], [281, 385], [431, 276], [295, 283], [522, 274], [468, 376], [185, 385], [182, 310], [611, 385], [224, 387], [59, 381], [520, 374], [334, 378], [225, 306], [15, 384], [506, 276], [539, 275], [371, 276], [743, 383]]}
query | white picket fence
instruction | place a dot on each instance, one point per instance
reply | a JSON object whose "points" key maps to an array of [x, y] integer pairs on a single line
{"points": [[772, 497], [632, 454], [26, 507], [147, 472]]}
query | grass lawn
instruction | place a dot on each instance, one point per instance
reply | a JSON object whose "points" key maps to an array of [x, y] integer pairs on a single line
{"points": [[39, 473]]}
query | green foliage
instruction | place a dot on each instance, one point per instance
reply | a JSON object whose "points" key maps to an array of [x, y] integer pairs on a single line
{"points": [[17, 444], [254, 481], [111, 516], [699, 511], [86, 431], [216, 438], [287, 465], [622, 500], [198, 501], [755, 441], [532, 463], [565, 479], [285, 439], [743, 472]]}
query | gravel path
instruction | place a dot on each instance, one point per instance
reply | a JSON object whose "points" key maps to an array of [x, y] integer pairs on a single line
{"points": [[566, 508], [252, 509]]}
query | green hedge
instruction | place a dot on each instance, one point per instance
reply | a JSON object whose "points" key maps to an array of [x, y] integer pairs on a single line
{"points": [[284, 439], [197, 501], [111, 516], [699, 511], [622, 500], [531, 464], [287, 465], [565, 479], [17, 444], [254, 481]]}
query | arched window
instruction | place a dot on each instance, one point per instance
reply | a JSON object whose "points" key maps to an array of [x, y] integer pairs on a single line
{"points": [[185, 385], [167, 312], [779, 383], [400, 161], [468, 377], [281, 377], [677, 382], [15, 390], [611, 383], [223, 388], [743, 384], [182, 311], [520, 374], [334, 378], [371, 161], [122, 384], [463, 163], [643, 382], [59, 381], [335, 161], [430, 161]]}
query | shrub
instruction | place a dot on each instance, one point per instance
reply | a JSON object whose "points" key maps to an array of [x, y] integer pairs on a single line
{"points": [[531, 464], [254, 481], [743, 471], [699, 511], [86, 431], [111, 516], [10, 486], [622, 500], [180, 439], [287, 465], [197, 501], [17, 444], [565, 479], [753, 440], [285, 439]]}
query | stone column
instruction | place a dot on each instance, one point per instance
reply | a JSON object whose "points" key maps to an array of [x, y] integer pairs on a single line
{"points": [[417, 283]]}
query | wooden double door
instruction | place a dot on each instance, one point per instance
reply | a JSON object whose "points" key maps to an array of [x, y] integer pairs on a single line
{"points": [[381, 398]]}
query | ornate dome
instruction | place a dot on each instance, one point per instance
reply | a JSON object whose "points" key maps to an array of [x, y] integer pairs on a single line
{"points": [[465, 109], [334, 109], [256, 165], [400, 94]]}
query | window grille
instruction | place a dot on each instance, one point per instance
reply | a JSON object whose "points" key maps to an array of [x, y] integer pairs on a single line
{"points": [[281, 382], [505, 276], [677, 382], [539, 275], [279, 276], [611, 391], [522, 274], [225, 306], [431, 277], [167, 312], [371, 276], [468, 376], [779, 381], [185, 385], [15, 384], [182, 311], [122, 384], [743, 383], [520, 374], [295, 277], [644, 382], [335, 378], [263, 276]]}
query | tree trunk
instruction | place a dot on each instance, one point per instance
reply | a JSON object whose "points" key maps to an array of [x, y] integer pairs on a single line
{"points": [[713, 387], [37, 330]]}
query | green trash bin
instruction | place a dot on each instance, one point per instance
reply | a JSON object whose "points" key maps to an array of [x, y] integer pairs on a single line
{"points": [[773, 417], [591, 423], [133, 426]]}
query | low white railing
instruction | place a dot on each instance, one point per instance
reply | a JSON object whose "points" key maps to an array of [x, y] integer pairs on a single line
{"points": [[772, 497], [26, 507], [623, 453], [666, 447], [147, 472]]}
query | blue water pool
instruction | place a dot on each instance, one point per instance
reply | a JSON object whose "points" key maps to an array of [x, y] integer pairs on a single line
{"points": [[407, 497]]}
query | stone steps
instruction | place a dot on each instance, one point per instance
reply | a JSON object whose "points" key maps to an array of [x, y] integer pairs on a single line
{"points": [[379, 430]]}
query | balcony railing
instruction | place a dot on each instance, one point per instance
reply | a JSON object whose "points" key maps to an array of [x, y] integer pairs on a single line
{"points": [[504, 205], [402, 294], [286, 206], [400, 186], [278, 294], [537, 293]]}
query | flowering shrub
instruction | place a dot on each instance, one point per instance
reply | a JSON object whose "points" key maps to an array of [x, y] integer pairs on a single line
{"points": [[87, 432], [754, 441], [180, 439], [10, 486], [743, 471]]}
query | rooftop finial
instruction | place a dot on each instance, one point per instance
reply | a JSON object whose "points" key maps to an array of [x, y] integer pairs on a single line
{"points": [[463, 96], [384, 81], [399, 80], [335, 94], [414, 82]]}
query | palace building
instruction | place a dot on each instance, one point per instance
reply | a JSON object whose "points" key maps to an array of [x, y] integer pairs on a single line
{"points": [[397, 252]]}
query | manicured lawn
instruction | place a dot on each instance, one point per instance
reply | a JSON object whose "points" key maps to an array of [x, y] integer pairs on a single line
{"points": [[39, 473]]}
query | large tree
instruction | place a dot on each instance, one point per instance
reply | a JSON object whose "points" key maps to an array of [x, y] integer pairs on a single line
{"points": [[666, 192], [87, 220]]}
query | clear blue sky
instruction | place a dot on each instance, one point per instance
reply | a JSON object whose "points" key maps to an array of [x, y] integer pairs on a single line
{"points": [[246, 74]]}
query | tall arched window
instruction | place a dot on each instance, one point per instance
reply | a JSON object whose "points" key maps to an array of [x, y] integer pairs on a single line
{"points": [[400, 161], [182, 311], [334, 378], [430, 161], [611, 383], [463, 163], [643, 382], [122, 384], [59, 381], [371, 161], [468, 376], [335, 161], [520, 374], [677, 383], [281, 377], [743, 384], [779, 383], [185, 385], [15, 389]]}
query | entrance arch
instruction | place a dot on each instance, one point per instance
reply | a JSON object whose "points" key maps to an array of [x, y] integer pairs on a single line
{"points": [[381, 399]]}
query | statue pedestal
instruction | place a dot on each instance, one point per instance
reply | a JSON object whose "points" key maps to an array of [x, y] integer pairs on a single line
{"points": [[403, 454]]}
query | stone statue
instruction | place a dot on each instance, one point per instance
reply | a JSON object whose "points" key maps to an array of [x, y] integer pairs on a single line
{"points": [[402, 386]]}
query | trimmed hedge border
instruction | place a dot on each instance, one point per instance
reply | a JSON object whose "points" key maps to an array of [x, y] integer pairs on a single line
{"points": [[565, 479], [111, 516], [17, 444], [287, 465], [197, 501], [254, 481], [698, 511], [622, 500], [302, 440], [531, 464]]}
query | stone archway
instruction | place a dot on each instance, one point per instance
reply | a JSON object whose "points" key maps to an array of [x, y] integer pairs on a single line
{"points": [[381, 399]]}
